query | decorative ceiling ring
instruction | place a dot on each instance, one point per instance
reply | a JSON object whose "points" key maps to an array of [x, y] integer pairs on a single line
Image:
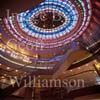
{"points": [[74, 22]]}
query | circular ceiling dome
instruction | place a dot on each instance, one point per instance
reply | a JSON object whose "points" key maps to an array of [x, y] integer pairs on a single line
{"points": [[54, 22]]}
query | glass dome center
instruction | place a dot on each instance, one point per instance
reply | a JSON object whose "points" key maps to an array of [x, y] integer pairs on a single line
{"points": [[48, 19]]}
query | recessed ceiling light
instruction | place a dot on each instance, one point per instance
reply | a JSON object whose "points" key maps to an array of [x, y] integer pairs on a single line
{"points": [[16, 70], [95, 61], [8, 68], [2, 77], [53, 25], [71, 70], [87, 64], [5, 74], [79, 68], [97, 65]]}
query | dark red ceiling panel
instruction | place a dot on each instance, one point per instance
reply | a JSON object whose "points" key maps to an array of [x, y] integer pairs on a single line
{"points": [[16, 6]]}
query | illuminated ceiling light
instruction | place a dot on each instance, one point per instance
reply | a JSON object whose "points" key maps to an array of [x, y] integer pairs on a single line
{"points": [[79, 68], [5, 74], [0, 64], [16, 70], [71, 70], [87, 64], [2, 77], [95, 61], [65, 24], [8, 68], [95, 71], [15, 77], [53, 25], [97, 65], [44, 26], [62, 21]]}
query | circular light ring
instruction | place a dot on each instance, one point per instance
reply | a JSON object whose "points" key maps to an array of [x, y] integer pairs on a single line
{"points": [[72, 16], [50, 31], [61, 38]]}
